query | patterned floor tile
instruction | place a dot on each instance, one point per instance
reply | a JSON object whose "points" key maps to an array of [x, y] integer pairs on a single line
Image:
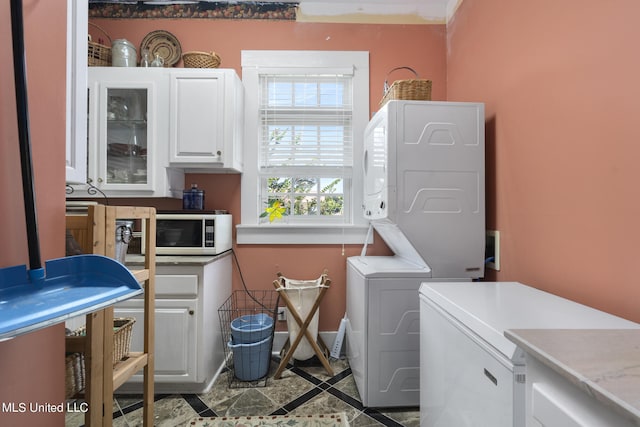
{"points": [[301, 390]]}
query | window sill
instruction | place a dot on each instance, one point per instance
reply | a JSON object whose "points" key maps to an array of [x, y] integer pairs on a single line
{"points": [[287, 234]]}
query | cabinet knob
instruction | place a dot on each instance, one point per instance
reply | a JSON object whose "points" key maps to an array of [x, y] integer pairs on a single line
{"points": [[99, 179], [219, 153], [191, 312]]}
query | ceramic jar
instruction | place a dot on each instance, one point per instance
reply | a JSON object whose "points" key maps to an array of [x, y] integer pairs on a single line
{"points": [[123, 53]]}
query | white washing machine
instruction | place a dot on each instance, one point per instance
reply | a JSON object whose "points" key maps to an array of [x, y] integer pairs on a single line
{"points": [[383, 329]]}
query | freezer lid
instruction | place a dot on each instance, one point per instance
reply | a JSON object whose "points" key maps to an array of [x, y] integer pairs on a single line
{"points": [[398, 242], [490, 308], [389, 267]]}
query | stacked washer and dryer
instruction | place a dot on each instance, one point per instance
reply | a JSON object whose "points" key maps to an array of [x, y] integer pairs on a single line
{"points": [[424, 195]]}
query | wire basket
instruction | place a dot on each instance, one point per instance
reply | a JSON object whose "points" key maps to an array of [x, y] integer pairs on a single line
{"points": [[248, 359], [411, 90], [201, 59], [98, 55]]}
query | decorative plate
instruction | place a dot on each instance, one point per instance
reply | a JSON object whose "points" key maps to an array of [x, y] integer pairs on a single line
{"points": [[164, 44]]}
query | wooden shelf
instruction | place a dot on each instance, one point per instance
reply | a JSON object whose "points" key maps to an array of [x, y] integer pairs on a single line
{"points": [[127, 367], [95, 232], [141, 275]]}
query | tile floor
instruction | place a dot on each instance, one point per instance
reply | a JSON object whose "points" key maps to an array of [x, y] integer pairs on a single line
{"points": [[301, 390]]}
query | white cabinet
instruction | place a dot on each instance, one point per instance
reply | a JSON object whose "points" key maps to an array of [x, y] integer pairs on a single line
{"points": [[127, 135], [205, 126], [148, 126], [552, 401], [188, 340], [175, 325]]}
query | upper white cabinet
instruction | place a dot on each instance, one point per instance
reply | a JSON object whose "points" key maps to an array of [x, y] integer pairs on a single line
{"points": [[205, 120], [148, 126], [127, 153]]}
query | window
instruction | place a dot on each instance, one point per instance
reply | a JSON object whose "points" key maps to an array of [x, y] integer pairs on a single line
{"points": [[306, 146], [305, 115]]}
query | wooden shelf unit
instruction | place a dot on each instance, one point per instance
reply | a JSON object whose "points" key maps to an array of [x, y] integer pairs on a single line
{"points": [[95, 232]]}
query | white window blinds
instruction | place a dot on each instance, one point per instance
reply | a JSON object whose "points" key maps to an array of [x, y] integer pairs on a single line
{"points": [[306, 122]]}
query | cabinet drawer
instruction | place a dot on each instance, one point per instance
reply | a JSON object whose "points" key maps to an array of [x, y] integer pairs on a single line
{"points": [[184, 285]]}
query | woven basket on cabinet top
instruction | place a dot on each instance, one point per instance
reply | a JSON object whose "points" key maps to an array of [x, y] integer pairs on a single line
{"points": [[409, 90], [98, 55], [201, 59]]}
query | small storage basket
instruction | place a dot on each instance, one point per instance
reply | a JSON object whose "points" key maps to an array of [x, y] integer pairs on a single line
{"points": [[122, 329], [409, 90], [201, 60], [98, 55], [74, 362], [74, 374]]}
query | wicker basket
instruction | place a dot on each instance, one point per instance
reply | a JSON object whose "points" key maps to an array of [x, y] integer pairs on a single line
{"points": [[201, 59], [411, 90], [74, 362], [74, 373], [98, 55]]}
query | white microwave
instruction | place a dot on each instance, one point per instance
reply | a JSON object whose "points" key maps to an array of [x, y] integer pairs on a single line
{"points": [[192, 233]]}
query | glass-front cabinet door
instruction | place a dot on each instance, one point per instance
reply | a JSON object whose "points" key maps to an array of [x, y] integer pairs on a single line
{"points": [[123, 131], [126, 132], [124, 143]]}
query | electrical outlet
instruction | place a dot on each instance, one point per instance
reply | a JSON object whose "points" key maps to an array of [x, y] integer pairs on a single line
{"points": [[282, 314], [492, 250]]}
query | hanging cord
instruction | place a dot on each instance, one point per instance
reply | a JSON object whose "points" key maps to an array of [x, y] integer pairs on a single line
{"points": [[244, 285]]}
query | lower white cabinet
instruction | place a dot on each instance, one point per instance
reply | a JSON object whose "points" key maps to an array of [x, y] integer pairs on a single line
{"points": [[175, 361], [189, 351], [552, 401]]}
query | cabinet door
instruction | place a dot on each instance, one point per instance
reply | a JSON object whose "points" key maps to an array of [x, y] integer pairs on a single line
{"points": [[125, 135], [197, 105], [175, 338]]}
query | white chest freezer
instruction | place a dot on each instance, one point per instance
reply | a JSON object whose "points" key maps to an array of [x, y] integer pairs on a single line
{"points": [[470, 374]]}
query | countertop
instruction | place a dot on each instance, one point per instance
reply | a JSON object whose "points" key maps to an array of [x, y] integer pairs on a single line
{"points": [[604, 363], [187, 260]]}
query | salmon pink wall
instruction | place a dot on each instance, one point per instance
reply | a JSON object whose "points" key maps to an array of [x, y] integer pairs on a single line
{"points": [[419, 46], [32, 365], [560, 83]]}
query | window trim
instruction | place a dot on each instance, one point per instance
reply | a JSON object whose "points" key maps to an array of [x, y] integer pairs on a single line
{"points": [[254, 63]]}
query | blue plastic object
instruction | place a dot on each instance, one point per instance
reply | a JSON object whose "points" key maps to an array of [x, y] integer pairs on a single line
{"points": [[39, 297], [251, 328], [251, 361], [87, 284]]}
